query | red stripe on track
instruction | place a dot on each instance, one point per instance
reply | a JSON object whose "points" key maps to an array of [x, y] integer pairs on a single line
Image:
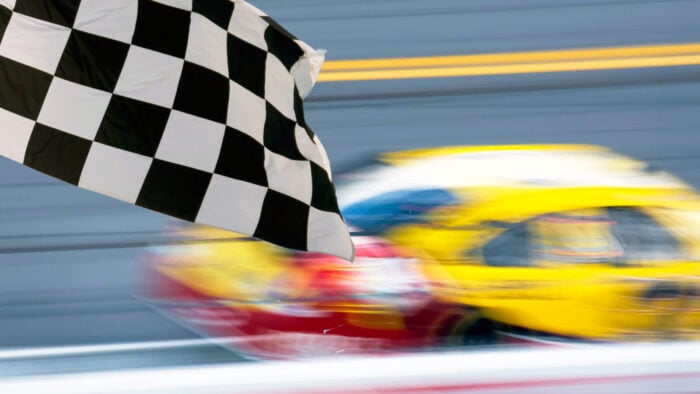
{"points": [[520, 384]]}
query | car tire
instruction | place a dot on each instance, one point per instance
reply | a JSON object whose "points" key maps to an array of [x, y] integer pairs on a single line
{"points": [[472, 330], [481, 333]]}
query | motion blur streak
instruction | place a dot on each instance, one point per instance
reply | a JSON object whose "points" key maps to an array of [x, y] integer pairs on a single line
{"points": [[84, 350], [632, 369], [512, 63]]}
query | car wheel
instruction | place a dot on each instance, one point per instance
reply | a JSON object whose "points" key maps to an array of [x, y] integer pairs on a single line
{"points": [[481, 333], [472, 329]]}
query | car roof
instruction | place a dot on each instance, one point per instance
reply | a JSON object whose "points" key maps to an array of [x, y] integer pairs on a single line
{"points": [[464, 169]]}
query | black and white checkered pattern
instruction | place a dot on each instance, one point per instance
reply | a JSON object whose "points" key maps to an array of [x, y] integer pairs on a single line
{"points": [[192, 108]]}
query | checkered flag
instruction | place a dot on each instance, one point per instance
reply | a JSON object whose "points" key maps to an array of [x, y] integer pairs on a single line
{"points": [[192, 108]]}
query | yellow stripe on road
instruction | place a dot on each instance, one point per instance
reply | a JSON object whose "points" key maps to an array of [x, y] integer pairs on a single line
{"points": [[512, 63]]}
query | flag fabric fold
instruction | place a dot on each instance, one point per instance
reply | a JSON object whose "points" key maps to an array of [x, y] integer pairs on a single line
{"points": [[192, 108]]}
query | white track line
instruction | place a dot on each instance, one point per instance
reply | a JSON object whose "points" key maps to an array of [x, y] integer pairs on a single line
{"points": [[84, 350]]}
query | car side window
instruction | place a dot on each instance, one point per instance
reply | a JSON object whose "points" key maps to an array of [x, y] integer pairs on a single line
{"points": [[618, 235], [508, 249], [641, 237]]}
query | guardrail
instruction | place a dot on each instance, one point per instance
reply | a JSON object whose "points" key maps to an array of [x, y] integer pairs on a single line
{"points": [[642, 368]]}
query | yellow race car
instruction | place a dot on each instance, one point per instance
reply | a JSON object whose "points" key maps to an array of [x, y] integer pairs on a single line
{"points": [[542, 241], [458, 245]]}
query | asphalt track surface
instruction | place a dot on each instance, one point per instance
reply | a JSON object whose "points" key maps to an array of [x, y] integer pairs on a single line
{"points": [[69, 259]]}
